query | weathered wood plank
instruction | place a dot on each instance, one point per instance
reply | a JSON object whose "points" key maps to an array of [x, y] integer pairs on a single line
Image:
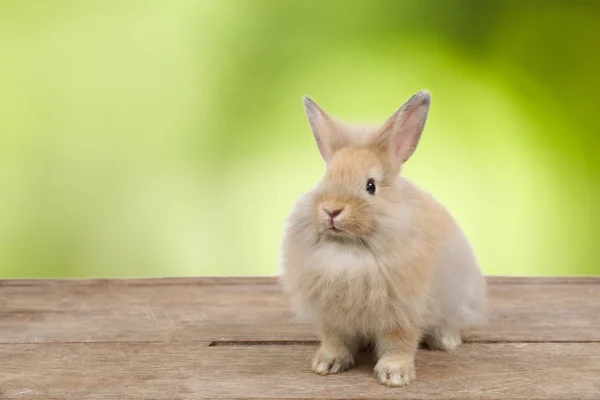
{"points": [[95, 371], [213, 309], [254, 280]]}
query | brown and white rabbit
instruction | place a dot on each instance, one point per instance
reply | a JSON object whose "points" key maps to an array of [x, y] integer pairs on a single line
{"points": [[371, 257]]}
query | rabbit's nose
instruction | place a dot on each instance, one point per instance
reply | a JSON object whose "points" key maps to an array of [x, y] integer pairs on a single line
{"points": [[333, 213]]}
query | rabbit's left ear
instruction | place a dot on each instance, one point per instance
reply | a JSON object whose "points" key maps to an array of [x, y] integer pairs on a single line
{"points": [[323, 126], [400, 134]]}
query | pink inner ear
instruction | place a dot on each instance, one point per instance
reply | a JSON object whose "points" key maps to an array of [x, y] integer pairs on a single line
{"points": [[406, 135], [408, 128]]}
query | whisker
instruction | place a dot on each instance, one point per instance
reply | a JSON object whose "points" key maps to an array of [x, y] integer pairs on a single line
{"points": [[305, 220]]}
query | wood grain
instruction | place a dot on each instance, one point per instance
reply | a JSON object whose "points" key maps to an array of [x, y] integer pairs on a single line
{"points": [[247, 309], [167, 371], [235, 338]]}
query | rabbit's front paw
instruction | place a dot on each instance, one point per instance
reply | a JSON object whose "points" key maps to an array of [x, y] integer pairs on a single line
{"points": [[395, 372], [328, 362]]}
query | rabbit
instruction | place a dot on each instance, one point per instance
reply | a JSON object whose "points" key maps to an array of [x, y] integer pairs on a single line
{"points": [[369, 257]]}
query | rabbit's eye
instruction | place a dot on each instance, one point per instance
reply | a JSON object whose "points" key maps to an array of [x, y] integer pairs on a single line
{"points": [[371, 186]]}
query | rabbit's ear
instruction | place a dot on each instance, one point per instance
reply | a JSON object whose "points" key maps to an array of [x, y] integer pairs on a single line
{"points": [[400, 134], [323, 128]]}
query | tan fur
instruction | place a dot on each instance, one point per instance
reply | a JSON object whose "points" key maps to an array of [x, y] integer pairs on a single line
{"points": [[396, 350], [399, 268]]}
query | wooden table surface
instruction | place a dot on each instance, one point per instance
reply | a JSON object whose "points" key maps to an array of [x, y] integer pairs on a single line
{"points": [[236, 338]]}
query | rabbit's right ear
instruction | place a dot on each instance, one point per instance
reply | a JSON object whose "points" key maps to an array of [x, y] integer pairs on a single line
{"points": [[400, 134], [323, 129]]}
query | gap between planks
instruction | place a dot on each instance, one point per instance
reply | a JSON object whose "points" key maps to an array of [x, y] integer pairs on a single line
{"points": [[251, 343], [254, 343]]}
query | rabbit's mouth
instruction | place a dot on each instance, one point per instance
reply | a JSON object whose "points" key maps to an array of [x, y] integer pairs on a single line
{"points": [[331, 225]]}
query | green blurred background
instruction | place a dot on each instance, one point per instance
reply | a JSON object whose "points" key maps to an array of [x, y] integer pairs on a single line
{"points": [[168, 138]]}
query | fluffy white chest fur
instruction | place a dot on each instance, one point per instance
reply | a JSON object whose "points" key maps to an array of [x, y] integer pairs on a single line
{"points": [[349, 287]]}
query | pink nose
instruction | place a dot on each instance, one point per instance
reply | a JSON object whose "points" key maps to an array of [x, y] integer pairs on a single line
{"points": [[333, 213]]}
